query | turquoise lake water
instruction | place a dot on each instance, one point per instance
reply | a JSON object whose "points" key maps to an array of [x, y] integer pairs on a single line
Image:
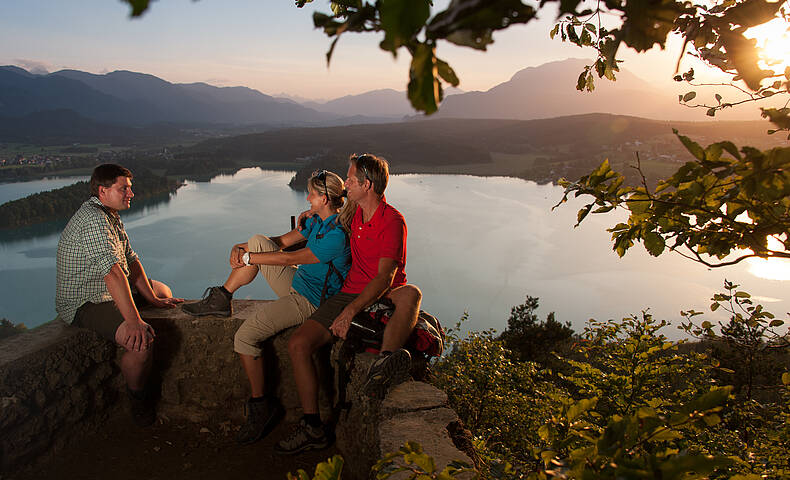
{"points": [[475, 245]]}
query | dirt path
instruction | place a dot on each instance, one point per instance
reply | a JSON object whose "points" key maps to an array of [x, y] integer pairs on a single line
{"points": [[172, 451]]}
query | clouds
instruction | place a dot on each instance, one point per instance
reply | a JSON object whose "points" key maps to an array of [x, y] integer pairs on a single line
{"points": [[33, 66]]}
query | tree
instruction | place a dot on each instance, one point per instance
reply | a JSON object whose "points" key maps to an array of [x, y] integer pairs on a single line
{"points": [[725, 200], [714, 33], [533, 340]]}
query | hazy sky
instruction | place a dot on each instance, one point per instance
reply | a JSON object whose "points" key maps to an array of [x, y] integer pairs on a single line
{"points": [[267, 45]]}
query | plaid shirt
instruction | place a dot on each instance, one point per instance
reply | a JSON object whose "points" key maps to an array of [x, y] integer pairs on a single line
{"points": [[93, 241]]}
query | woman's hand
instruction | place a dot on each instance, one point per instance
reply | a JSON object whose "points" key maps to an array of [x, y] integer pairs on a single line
{"points": [[236, 253]]}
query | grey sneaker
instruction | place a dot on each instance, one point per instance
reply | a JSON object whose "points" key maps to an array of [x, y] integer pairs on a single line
{"points": [[302, 438], [261, 418], [215, 302], [386, 372]]}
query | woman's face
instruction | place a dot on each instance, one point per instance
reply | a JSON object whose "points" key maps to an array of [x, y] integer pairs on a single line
{"points": [[315, 199]]}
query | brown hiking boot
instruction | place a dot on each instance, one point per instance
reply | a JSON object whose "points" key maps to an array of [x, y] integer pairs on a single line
{"points": [[262, 417], [215, 302]]}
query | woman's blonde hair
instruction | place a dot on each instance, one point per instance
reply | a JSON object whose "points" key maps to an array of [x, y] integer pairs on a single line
{"points": [[331, 185]]}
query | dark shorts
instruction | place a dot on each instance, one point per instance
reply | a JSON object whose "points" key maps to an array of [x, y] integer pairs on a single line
{"points": [[103, 318], [331, 308]]}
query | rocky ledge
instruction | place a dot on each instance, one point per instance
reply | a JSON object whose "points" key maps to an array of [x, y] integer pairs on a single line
{"points": [[58, 382]]}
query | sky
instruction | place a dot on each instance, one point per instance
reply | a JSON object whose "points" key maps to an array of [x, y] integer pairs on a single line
{"points": [[270, 46]]}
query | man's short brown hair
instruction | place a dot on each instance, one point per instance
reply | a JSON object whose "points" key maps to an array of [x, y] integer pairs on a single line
{"points": [[373, 168], [105, 174]]}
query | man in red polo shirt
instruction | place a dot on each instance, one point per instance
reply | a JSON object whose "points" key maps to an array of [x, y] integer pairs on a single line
{"points": [[378, 261]]}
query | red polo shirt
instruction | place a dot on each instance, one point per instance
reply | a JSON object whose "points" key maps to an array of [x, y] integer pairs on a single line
{"points": [[384, 236]]}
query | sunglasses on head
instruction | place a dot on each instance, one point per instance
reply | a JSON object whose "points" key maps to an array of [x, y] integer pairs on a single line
{"points": [[321, 177], [358, 160]]}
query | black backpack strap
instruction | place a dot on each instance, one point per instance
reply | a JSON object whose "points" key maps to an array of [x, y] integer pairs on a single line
{"points": [[329, 272]]}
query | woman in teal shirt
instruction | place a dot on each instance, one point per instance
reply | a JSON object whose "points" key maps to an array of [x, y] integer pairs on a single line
{"points": [[322, 266]]}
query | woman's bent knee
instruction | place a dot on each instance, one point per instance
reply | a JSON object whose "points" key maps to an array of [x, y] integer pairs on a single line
{"points": [[160, 289], [261, 243], [245, 345]]}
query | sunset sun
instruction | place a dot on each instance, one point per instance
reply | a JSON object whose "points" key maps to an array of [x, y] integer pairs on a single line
{"points": [[773, 40]]}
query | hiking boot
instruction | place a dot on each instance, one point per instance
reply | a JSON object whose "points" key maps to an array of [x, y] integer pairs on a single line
{"points": [[215, 302], [303, 437], [386, 372], [142, 408], [261, 418]]}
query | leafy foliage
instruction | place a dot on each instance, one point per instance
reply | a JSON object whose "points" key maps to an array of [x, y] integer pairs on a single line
{"points": [[751, 336], [714, 33], [723, 202], [629, 404], [331, 469], [499, 399], [416, 464]]}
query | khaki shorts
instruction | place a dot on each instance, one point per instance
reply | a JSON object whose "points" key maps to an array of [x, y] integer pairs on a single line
{"points": [[290, 310]]}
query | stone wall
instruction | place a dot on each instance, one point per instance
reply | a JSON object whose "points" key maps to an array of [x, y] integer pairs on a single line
{"points": [[58, 382]]}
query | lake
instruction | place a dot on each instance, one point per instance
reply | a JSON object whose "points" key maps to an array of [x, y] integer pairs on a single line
{"points": [[14, 191], [475, 245]]}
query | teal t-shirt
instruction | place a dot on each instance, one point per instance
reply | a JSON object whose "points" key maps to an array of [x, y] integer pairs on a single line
{"points": [[329, 243]]}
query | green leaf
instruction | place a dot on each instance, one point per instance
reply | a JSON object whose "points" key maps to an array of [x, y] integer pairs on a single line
{"points": [[446, 72], [581, 82], [691, 146], [547, 456], [776, 323], [138, 6], [654, 243], [580, 407], [582, 214], [689, 96], [401, 20], [423, 83], [330, 469], [554, 31], [422, 460]]}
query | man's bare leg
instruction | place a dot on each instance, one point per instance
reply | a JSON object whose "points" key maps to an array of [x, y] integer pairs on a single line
{"points": [[301, 346], [406, 299], [394, 363], [135, 367]]}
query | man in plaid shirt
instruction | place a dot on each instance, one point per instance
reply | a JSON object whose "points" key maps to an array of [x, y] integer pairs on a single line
{"points": [[97, 273]]}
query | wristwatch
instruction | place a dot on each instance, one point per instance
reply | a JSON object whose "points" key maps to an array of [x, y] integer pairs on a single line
{"points": [[246, 258]]}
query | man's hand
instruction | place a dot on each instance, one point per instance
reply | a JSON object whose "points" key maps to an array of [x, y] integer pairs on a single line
{"points": [[342, 323], [135, 336], [236, 253], [168, 302]]}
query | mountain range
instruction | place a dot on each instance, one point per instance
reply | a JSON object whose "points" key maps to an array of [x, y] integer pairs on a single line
{"points": [[549, 91], [131, 99]]}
